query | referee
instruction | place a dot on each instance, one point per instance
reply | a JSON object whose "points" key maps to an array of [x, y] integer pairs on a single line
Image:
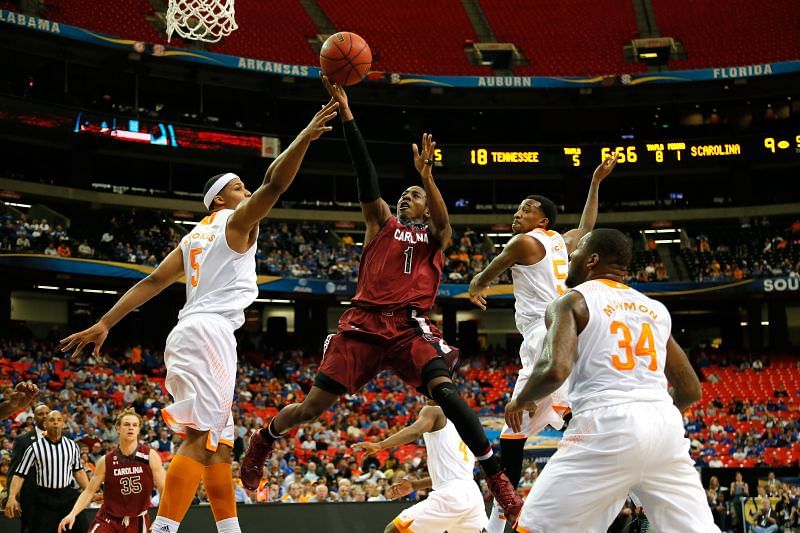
{"points": [[57, 461]]}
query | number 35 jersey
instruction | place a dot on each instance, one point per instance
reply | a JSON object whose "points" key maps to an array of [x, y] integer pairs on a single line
{"points": [[536, 285], [128, 484], [219, 280], [622, 350], [400, 267]]}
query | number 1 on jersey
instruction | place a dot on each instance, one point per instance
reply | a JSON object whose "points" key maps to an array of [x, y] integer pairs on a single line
{"points": [[409, 253]]}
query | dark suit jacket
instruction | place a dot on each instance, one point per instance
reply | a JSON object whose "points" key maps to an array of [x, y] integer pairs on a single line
{"points": [[27, 495]]}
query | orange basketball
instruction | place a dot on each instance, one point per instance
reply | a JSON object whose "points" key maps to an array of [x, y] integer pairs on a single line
{"points": [[345, 58]]}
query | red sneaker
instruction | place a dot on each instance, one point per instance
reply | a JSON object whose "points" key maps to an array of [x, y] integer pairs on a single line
{"points": [[505, 495], [252, 467]]}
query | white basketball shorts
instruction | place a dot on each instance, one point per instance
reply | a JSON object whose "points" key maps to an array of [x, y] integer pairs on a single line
{"points": [[200, 357], [608, 452], [549, 411], [456, 508]]}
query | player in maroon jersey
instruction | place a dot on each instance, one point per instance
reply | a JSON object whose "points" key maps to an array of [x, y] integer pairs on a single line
{"points": [[388, 327], [128, 475]]}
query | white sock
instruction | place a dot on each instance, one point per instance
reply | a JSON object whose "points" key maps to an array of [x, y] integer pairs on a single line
{"points": [[229, 525], [163, 524], [496, 524]]}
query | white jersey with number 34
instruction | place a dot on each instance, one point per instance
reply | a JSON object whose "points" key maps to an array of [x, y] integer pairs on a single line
{"points": [[535, 286], [219, 280], [622, 350]]}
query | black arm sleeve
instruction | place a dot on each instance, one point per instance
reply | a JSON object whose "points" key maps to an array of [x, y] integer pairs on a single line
{"points": [[366, 175]]}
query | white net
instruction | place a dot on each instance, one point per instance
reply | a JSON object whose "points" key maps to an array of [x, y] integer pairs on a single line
{"points": [[201, 20]]}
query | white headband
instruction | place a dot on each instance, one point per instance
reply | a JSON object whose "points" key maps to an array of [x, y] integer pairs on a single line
{"points": [[220, 184]]}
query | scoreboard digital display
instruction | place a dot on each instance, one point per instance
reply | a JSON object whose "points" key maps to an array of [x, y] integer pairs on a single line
{"points": [[669, 153]]}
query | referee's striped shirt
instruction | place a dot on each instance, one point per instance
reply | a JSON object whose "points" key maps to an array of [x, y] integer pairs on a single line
{"points": [[55, 462]]}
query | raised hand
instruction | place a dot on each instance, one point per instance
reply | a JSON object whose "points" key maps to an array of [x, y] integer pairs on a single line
{"points": [[423, 161], [319, 124], [370, 447], [336, 92], [24, 393], [604, 169], [94, 335], [399, 490]]}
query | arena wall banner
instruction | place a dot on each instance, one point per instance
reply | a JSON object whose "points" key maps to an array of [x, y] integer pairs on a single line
{"points": [[278, 284], [778, 285], [41, 25]]}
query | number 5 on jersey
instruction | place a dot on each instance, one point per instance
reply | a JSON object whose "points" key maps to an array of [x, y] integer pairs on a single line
{"points": [[645, 346], [193, 253]]}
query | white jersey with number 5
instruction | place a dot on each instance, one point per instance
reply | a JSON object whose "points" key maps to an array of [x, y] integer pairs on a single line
{"points": [[219, 280], [622, 350], [535, 286], [449, 459]]}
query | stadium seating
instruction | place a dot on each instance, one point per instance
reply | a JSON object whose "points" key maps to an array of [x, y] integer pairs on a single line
{"points": [[423, 38], [751, 249], [754, 32], [761, 405], [121, 19], [568, 37], [277, 31]]}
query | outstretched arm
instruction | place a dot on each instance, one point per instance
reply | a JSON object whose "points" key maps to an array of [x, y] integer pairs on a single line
{"points": [[86, 496], [440, 219], [520, 249], [428, 416], [375, 210], [589, 216], [162, 277], [565, 319], [277, 179], [407, 486]]}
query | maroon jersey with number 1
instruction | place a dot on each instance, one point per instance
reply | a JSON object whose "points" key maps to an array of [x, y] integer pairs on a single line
{"points": [[400, 267], [128, 484]]}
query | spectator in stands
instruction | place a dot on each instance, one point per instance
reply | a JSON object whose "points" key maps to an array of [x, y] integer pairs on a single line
{"points": [[739, 488], [23, 243], [529, 478], [766, 518], [63, 249], [320, 494], [294, 495], [84, 250], [773, 484]]}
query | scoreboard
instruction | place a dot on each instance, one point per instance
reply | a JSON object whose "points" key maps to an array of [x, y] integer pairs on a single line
{"points": [[667, 153]]}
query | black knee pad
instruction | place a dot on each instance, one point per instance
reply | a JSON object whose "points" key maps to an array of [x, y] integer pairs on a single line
{"points": [[435, 368]]}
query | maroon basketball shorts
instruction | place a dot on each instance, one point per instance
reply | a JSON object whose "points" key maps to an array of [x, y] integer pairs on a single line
{"points": [[105, 523], [369, 341]]}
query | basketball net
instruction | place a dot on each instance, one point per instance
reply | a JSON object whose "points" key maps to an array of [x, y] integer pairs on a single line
{"points": [[201, 20]]}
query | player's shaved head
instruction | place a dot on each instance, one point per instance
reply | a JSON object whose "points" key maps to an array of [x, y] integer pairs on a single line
{"points": [[602, 253], [613, 247]]}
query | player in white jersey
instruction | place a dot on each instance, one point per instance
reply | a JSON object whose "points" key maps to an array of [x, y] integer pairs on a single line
{"points": [[626, 434], [217, 260], [456, 503], [538, 258]]}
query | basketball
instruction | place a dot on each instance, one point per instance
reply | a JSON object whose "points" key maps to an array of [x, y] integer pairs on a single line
{"points": [[345, 58]]}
